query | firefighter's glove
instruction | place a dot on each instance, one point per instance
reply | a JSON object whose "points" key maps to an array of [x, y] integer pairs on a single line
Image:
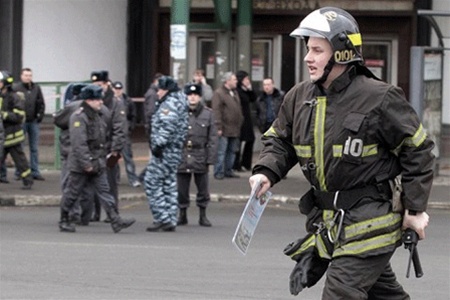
{"points": [[309, 268], [157, 151], [307, 272]]}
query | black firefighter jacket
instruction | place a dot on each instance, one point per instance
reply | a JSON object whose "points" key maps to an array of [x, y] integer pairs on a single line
{"points": [[362, 130], [13, 115], [200, 146]]}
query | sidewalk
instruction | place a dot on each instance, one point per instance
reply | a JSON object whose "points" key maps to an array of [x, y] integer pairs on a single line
{"points": [[288, 190]]}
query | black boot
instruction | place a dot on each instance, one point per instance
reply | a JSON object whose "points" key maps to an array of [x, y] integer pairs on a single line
{"points": [[118, 223], [182, 218], [203, 220], [27, 183], [64, 224]]}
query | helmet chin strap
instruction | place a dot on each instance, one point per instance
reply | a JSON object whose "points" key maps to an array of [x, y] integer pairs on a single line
{"points": [[326, 72]]}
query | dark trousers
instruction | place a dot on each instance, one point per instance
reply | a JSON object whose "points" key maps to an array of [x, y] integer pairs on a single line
{"points": [[370, 278], [77, 182], [201, 182], [244, 158], [112, 177], [20, 161]]}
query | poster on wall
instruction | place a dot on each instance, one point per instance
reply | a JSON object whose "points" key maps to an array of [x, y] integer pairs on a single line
{"points": [[178, 41]]}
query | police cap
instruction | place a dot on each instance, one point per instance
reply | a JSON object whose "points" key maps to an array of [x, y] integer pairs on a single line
{"points": [[99, 76], [167, 83], [192, 88], [91, 91]]}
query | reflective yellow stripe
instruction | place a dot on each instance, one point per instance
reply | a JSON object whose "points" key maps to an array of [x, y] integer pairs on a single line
{"points": [[415, 141], [26, 173], [303, 151], [374, 224], [355, 38], [374, 243], [370, 150], [14, 138], [367, 150], [337, 150], [271, 132], [310, 242], [319, 137], [19, 111]]}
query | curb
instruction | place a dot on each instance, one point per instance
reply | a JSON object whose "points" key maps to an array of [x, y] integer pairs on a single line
{"points": [[54, 200]]}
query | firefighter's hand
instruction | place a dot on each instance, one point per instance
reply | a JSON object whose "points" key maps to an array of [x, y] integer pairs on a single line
{"points": [[416, 222], [264, 182]]}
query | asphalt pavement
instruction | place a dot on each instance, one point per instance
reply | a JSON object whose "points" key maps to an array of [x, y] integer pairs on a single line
{"points": [[232, 189]]}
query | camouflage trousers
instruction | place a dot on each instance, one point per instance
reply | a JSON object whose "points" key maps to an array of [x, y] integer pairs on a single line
{"points": [[161, 190]]}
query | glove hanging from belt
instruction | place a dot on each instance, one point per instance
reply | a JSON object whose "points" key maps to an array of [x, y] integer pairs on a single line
{"points": [[310, 266]]}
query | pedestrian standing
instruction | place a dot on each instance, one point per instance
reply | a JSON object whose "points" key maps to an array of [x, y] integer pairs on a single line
{"points": [[127, 151], [34, 112], [199, 152], [352, 136], [268, 105], [227, 110], [13, 114], [87, 161], [244, 154], [169, 128], [207, 92]]}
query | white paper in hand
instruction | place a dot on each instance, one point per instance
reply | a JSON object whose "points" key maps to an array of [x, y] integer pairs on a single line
{"points": [[250, 218]]}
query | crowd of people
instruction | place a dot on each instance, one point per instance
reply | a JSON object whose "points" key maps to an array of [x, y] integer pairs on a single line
{"points": [[188, 128]]}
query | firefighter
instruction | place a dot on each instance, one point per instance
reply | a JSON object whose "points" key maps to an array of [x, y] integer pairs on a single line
{"points": [[13, 114], [352, 135]]}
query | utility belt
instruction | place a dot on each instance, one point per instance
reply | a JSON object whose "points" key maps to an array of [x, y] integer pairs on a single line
{"points": [[347, 199], [343, 199], [189, 145]]}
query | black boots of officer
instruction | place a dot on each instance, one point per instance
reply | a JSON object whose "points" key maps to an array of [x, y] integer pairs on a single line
{"points": [[65, 224], [117, 224], [203, 220], [182, 218]]}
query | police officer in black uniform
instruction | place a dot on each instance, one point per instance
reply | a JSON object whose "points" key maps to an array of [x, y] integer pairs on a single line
{"points": [[87, 160]]}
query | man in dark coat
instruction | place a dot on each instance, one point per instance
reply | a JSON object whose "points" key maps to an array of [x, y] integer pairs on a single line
{"points": [[247, 95], [199, 151], [268, 104], [34, 112]]}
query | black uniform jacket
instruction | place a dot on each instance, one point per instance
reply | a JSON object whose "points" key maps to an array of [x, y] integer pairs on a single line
{"points": [[360, 132]]}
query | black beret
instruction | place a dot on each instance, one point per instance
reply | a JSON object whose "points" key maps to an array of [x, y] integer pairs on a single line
{"points": [[91, 91], [193, 88], [99, 76], [167, 83]]}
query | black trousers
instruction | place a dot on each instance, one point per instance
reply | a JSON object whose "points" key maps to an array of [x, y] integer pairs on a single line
{"points": [[369, 278], [20, 160], [201, 181], [244, 158]]}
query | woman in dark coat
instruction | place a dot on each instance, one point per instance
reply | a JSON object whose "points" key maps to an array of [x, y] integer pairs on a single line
{"points": [[247, 96]]}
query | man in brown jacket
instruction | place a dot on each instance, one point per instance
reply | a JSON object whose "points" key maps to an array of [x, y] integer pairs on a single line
{"points": [[227, 110]]}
